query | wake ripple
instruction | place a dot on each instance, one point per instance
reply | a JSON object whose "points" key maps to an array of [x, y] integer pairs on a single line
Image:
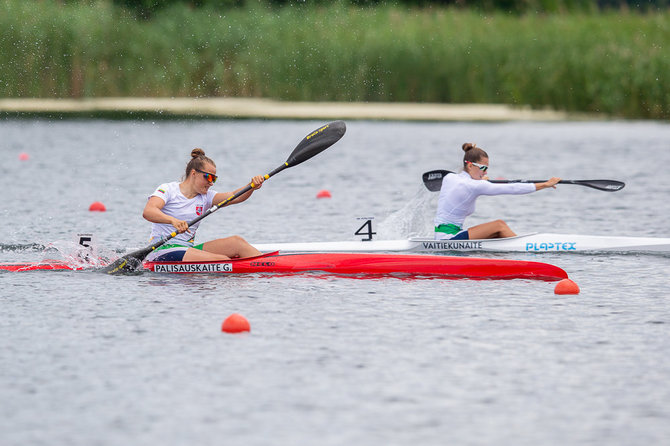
{"points": [[26, 247]]}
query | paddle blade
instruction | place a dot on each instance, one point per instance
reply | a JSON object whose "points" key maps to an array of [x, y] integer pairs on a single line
{"points": [[433, 179], [606, 185], [316, 142], [128, 263]]}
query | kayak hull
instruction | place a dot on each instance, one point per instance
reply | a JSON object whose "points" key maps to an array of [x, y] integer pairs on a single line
{"points": [[371, 264], [536, 243]]}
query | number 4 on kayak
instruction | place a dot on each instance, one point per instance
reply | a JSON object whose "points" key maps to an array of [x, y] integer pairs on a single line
{"points": [[366, 229]]}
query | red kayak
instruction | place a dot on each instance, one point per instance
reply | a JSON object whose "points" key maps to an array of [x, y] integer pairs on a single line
{"points": [[346, 264], [375, 264]]}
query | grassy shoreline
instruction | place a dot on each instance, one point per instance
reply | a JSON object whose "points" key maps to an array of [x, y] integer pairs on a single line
{"points": [[612, 63]]}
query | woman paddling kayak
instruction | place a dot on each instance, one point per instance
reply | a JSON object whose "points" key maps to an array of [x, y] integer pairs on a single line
{"points": [[173, 204], [460, 191]]}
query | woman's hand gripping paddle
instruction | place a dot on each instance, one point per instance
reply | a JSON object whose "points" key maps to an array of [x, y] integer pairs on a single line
{"points": [[433, 182], [313, 144]]}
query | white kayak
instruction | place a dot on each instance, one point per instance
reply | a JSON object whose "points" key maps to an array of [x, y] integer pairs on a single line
{"points": [[534, 242]]}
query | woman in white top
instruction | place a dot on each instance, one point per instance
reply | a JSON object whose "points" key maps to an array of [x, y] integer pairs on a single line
{"points": [[173, 205], [460, 191]]}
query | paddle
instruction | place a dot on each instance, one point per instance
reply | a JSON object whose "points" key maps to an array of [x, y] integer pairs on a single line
{"points": [[433, 182], [313, 144]]}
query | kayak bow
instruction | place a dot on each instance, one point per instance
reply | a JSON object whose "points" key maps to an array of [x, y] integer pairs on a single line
{"points": [[34, 266]]}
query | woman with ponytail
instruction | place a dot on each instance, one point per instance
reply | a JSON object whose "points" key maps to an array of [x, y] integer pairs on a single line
{"points": [[174, 204], [460, 191]]}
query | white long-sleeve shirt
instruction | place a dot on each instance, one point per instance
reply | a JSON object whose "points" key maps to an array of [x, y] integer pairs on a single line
{"points": [[460, 191]]}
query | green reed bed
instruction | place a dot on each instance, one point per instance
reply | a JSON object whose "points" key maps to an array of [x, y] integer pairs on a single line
{"points": [[615, 63]]}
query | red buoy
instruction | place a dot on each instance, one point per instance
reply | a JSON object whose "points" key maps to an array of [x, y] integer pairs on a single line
{"points": [[323, 194], [235, 323], [97, 206], [566, 286], [24, 156]]}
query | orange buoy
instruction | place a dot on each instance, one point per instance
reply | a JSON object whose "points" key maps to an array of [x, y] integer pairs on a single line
{"points": [[23, 156], [235, 323], [566, 286], [323, 194], [97, 206]]}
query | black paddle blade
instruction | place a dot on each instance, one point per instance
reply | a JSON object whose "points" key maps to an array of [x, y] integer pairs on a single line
{"points": [[128, 263], [433, 179], [316, 142], [606, 185]]}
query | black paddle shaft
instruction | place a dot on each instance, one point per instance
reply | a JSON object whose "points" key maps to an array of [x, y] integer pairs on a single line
{"points": [[433, 182]]}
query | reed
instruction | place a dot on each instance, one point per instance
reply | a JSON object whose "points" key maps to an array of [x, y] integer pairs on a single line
{"points": [[614, 63]]}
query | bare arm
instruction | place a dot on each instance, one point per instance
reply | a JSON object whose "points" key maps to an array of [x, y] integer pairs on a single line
{"points": [[153, 212], [257, 182]]}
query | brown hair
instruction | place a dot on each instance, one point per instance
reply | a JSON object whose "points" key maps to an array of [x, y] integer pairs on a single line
{"points": [[473, 153], [198, 160]]}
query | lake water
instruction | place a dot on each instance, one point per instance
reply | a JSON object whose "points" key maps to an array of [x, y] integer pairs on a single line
{"points": [[92, 359]]}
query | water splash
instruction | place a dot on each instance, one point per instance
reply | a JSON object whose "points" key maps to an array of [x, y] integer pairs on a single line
{"points": [[414, 219], [79, 256], [67, 251]]}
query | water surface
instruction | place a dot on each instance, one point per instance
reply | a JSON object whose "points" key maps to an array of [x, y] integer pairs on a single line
{"points": [[91, 359]]}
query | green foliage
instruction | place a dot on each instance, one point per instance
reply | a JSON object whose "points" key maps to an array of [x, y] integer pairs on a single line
{"points": [[613, 63], [145, 9]]}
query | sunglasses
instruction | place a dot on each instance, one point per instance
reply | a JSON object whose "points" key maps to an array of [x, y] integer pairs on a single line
{"points": [[483, 167], [208, 176]]}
